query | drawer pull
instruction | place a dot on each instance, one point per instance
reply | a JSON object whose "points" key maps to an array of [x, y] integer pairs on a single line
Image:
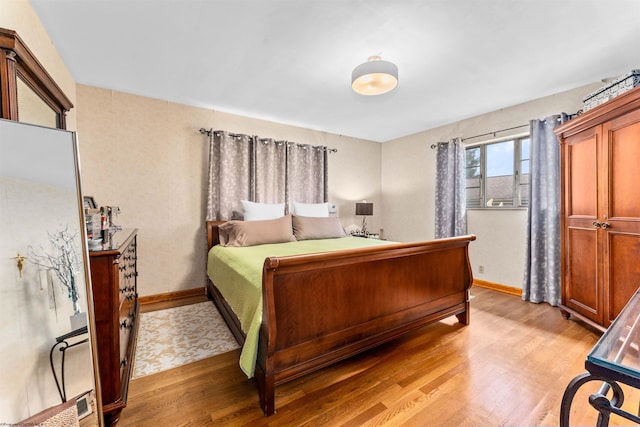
{"points": [[127, 323]]}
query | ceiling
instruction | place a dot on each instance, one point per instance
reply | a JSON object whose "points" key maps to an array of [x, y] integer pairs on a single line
{"points": [[290, 61]]}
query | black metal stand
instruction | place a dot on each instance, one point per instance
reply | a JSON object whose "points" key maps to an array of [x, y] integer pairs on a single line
{"points": [[614, 360], [61, 340], [599, 400]]}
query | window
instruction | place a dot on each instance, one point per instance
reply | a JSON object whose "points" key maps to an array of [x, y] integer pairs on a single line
{"points": [[498, 174]]}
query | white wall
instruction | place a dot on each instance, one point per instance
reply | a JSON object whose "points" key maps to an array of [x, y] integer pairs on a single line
{"points": [[408, 187]]}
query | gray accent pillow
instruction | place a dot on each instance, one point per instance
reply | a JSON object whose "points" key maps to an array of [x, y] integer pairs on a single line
{"points": [[309, 228], [250, 233]]}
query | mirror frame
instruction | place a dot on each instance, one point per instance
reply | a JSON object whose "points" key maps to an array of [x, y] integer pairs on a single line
{"points": [[18, 62], [84, 256]]}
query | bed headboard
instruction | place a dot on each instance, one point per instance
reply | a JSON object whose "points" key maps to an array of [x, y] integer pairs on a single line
{"points": [[213, 237]]}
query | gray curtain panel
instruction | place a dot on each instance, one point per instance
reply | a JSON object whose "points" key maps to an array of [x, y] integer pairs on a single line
{"points": [[542, 257], [451, 219], [229, 178], [269, 171], [262, 170], [307, 174]]}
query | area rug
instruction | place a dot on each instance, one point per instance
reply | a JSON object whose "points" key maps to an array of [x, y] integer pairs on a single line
{"points": [[180, 335]]}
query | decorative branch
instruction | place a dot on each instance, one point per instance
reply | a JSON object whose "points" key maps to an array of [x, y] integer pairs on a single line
{"points": [[63, 261]]}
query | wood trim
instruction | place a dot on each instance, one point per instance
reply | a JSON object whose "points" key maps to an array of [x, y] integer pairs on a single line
{"points": [[10, 40], [17, 61], [172, 296], [498, 287], [213, 235], [567, 312], [8, 92]]}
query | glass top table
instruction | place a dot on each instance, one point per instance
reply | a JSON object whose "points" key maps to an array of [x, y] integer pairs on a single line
{"points": [[614, 359], [618, 350]]}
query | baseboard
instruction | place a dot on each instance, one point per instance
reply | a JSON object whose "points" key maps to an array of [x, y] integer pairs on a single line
{"points": [[171, 296], [498, 287]]}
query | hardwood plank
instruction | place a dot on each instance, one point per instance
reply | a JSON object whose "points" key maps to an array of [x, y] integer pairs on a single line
{"points": [[509, 367]]}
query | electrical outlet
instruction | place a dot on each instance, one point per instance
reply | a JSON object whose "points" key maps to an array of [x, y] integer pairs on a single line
{"points": [[481, 269]]}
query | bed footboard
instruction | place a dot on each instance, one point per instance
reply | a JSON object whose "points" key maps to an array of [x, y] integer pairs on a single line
{"points": [[322, 308]]}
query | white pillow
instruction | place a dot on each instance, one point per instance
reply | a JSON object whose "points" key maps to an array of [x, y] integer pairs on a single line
{"points": [[311, 209], [261, 211]]}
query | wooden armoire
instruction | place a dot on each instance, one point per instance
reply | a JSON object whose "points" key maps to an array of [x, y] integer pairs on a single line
{"points": [[600, 219]]}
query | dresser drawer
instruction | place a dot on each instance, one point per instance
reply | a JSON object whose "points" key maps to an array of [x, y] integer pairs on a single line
{"points": [[114, 276]]}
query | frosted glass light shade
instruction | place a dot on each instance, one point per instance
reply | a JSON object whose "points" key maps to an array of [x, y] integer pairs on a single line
{"points": [[374, 77]]}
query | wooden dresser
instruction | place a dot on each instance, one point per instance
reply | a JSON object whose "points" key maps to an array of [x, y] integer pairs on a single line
{"points": [[115, 297], [600, 219]]}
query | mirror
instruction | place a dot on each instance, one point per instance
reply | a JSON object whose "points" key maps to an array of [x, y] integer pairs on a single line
{"points": [[46, 314], [32, 109]]}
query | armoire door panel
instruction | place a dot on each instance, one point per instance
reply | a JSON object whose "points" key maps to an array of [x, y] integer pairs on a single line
{"points": [[624, 170], [609, 137], [582, 179], [581, 291], [623, 276]]}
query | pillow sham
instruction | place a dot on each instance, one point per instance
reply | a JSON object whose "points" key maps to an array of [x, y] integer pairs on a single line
{"points": [[259, 232], [311, 209], [310, 228], [258, 211]]}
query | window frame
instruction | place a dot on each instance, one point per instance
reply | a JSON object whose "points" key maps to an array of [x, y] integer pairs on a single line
{"points": [[516, 177]]}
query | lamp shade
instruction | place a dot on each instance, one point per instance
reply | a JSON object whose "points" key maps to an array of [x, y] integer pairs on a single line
{"points": [[374, 77], [364, 208]]}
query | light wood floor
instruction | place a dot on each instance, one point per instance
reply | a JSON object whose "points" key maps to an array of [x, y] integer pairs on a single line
{"points": [[509, 367]]}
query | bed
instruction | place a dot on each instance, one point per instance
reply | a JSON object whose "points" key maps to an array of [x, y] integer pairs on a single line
{"points": [[319, 308]]}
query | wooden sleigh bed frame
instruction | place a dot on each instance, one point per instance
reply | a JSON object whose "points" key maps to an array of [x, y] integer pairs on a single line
{"points": [[321, 308]]}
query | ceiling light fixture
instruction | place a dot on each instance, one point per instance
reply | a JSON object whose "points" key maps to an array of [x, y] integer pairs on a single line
{"points": [[374, 77]]}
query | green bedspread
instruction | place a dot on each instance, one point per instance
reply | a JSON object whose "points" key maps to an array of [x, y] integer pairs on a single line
{"points": [[237, 273]]}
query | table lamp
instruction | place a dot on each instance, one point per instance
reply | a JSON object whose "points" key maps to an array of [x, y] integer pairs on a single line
{"points": [[365, 209]]}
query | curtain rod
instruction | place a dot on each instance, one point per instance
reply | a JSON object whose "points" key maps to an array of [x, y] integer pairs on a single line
{"points": [[209, 132], [559, 119], [494, 132], [433, 146]]}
